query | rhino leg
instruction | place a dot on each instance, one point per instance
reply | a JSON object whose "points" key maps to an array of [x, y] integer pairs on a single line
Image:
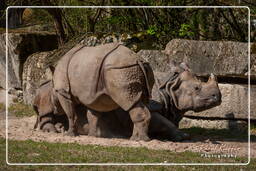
{"points": [[140, 117], [97, 125], [46, 124], [159, 125], [69, 108], [93, 119]]}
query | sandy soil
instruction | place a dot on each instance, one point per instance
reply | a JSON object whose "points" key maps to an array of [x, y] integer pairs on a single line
{"points": [[22, 129]]}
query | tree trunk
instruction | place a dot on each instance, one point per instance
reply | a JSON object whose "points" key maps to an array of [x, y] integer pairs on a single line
{"points": [[56, 14], [15, 17]]}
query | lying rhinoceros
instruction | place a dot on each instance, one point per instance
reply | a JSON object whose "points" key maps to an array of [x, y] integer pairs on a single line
{"points": [[104, 78], [179, 91]]}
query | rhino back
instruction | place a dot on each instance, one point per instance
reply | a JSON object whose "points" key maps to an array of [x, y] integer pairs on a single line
{"points": [[122, 77]]}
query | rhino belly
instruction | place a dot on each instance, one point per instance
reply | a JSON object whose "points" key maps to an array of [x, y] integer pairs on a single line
{"points": [[103, 103]]}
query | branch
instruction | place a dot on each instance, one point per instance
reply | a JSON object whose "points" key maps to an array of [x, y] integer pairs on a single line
{"points": [[238, 30]]}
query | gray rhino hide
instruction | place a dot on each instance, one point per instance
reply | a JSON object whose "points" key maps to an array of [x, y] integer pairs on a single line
{"points": [[83, 69]]}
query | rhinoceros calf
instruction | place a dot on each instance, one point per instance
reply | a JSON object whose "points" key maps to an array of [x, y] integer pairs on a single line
{"points": [[50, 115], [104, 78]]}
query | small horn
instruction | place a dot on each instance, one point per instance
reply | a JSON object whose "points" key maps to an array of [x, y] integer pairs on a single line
{"points": [[212, 77]]}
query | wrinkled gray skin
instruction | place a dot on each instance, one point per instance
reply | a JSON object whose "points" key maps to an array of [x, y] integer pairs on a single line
{"points": [[186, 92], [190, 94], [123, 86], [50, 115]]}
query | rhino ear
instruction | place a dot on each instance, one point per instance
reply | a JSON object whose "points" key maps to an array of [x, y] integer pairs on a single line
{"points": [[52, 68], [171, 87], [185, 66], [174, 67]]}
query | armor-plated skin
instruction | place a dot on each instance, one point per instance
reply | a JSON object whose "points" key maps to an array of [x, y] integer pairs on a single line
{"points": [[104, 78]]}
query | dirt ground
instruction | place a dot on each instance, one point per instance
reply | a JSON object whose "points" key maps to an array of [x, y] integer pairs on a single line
{"points": [[22, 129]]}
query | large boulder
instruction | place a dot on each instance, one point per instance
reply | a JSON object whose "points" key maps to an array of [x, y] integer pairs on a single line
{"points": [[35, 72], [223, 58], [20, 46], [226, 59], [157, 59]]}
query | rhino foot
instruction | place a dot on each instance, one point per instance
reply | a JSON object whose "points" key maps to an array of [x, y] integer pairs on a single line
{"points": [[49, 127], [70, 133], [140, 138]]}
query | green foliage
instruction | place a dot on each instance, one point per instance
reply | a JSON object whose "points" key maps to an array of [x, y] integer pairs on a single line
{"points": [[2, 107], [164, 24], [186, 31], [152, 30], [20, 110]]}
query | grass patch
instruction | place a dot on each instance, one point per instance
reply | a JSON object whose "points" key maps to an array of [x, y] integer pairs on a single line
{"points": [[2, 107], [253, 129], [20, 109], [30, 151]]}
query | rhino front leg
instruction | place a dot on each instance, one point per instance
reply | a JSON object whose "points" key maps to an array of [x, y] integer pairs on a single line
{"points": [[140, 117], [93, 119], [46, 124], [69, 109], [159, 125]]}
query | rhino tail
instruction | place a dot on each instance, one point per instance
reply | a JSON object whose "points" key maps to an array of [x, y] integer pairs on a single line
{"points": [[37, 118]]}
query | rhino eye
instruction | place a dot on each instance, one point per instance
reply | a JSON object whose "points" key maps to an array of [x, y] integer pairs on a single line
{"points": [[197, 88]]}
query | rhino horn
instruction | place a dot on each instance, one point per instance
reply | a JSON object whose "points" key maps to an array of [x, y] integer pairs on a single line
{"points": [[212, 78]]}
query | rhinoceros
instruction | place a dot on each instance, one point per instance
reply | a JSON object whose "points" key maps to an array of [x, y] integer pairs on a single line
{"points": [[51, 116], [104, 78], [178, 84], [179, 91]]}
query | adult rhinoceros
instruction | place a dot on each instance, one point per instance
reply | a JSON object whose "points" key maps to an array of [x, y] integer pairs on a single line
{"points": [[104, 78]]}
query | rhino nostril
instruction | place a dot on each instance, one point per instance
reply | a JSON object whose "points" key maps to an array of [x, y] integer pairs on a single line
{"points": [[214, 96]]}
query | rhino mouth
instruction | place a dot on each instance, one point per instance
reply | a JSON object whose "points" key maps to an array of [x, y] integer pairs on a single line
{"points": [[210, 103]]}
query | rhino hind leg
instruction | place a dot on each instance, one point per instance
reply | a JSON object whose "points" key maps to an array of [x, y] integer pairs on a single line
{"points": [[97, 125], [140, 117], [159, 125], [69, 108]]}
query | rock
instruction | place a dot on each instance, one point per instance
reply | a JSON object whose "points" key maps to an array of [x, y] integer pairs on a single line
{"points": [[20, 46], [157, 59], [234, 125], [234, 103], [35, 72], [223, 58], [11, 98]]}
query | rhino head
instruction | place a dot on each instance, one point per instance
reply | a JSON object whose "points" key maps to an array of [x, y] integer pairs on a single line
{"points": [[187, 92]]}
